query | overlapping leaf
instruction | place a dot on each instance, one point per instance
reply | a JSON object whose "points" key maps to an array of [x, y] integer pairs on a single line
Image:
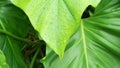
{"points": [[96, 44], [13, 21], [52, 19], [55, 20]]}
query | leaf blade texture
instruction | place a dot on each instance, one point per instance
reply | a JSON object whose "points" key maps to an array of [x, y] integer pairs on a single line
{"points": [[56, 20], [96, 42]]}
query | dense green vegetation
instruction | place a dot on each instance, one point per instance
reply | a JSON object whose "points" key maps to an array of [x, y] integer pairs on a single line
{"points": [[59, 33]]}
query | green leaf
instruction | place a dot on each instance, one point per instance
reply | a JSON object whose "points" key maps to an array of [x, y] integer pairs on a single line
{"points": [[3, 63], [13, 21], [94, 3], [96, 44], [56, 20]]}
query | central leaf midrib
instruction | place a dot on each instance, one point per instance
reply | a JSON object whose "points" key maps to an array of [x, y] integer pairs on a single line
{"points": [[84, 44]]}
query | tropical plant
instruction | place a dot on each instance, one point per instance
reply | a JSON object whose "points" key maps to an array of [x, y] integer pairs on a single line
{"points": [[76, 33]]}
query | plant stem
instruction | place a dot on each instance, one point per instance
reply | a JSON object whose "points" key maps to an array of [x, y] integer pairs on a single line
{"points": [[34, 57], [16, 37]]}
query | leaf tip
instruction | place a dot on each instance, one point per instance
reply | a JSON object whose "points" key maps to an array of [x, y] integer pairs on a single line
{"points": [[60, 54]]}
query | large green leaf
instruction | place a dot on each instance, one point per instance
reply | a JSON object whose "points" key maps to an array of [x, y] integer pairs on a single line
{"points": [[3, 63], [12, 21], [96, 43], [55, 20]]}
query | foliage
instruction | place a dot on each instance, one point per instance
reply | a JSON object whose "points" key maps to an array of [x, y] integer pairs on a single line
{"points": [[14, 28], [77, 33], [3, 61]]}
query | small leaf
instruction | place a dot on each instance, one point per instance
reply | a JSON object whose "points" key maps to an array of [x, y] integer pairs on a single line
{"points": [[3, 63]]}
